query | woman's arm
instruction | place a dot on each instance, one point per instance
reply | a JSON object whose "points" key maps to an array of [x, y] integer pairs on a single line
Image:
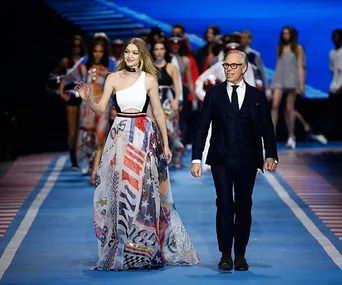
{"points": [[174, 75], [100, 107], [84, 72], [300, 64], [190, 82], [175, 62], [189, 76], [61, 91], [157, 110]]}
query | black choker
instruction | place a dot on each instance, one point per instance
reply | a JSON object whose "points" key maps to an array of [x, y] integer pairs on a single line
{"points": [[132, 69]]}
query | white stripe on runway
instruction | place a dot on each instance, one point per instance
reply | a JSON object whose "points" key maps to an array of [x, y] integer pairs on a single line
{"points": [[305, 220], [29, 218]]}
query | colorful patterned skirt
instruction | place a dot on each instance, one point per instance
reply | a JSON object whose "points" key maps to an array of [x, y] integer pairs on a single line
{"points": [[135, 218]]}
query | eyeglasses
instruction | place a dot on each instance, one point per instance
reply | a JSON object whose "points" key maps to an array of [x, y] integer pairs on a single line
{"points": [[232, 65]]}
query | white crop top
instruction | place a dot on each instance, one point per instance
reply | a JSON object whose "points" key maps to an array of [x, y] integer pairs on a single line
{"points": [[133, 97]]}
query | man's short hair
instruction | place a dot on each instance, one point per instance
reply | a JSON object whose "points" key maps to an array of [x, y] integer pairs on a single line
{"points": [[243, 55]]}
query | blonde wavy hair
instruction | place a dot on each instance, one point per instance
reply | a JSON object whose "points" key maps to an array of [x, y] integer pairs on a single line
{"points": [[146, 61]]}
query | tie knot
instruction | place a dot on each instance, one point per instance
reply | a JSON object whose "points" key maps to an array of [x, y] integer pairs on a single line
{"points": [[235, 87]]}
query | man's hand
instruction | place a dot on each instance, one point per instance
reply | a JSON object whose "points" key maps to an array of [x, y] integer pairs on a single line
{"points": [[196, 169], [270, 164]]}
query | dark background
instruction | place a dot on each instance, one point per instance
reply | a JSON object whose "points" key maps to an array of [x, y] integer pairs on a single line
{"points": [[42, 39]]}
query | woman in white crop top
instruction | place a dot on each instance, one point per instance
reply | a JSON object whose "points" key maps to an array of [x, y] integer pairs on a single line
{"points": [[134, 213]]}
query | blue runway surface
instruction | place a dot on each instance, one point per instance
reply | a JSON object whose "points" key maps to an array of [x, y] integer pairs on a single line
{"points": [[60, 245]]}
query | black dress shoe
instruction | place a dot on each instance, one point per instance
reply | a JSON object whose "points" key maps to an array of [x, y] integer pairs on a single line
{"points": [[226, 263], [240, 263]]}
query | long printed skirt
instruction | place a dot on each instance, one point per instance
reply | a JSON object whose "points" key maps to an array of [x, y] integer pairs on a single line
{"points": [[135, 218]]}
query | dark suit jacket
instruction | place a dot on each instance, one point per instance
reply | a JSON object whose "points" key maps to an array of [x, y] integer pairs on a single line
{"points": [[214, 110]]}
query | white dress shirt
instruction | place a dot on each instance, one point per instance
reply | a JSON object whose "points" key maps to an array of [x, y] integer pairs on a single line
{"points": [[241, 90]]}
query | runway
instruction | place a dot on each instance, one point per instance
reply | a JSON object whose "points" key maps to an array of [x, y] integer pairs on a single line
{"points": [[47, 234]]}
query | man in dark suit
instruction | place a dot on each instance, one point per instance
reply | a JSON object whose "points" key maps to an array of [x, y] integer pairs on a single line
{"points": [[241, 128]]}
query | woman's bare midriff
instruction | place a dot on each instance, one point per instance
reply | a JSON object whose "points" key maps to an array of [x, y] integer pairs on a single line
{"points": [[132, 111]]}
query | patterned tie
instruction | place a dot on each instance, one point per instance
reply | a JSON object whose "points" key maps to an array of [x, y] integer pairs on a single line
{"points": [[235, 103]]}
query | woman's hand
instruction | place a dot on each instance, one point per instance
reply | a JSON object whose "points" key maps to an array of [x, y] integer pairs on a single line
{"points": [[168, 154], [174, 105], [84, 90]]}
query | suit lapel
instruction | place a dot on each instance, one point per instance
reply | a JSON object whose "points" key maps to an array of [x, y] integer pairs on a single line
{"points": [[224, 99], [251, 100]]}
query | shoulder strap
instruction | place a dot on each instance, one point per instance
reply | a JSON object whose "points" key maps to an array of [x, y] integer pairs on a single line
{"points": [[143, 74]]}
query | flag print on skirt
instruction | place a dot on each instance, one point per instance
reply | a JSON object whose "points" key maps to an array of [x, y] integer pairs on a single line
{"points": [[135, 218]]}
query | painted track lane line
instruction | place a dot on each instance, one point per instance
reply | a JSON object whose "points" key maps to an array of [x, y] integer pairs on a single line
{"points": [[329, 248], [17, 185], [30, 216]]}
